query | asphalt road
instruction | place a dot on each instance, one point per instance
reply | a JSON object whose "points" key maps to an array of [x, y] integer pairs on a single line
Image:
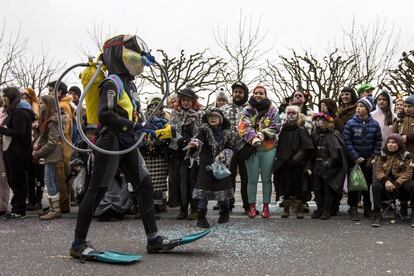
{"points": [[244, 246]]}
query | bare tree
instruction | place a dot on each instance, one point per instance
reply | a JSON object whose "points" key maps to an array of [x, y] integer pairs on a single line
{"points": [[323, 78], [11, 47], [202, 72], [99, 34], [400, 80], [366, 56], [34, 70], [245, 54], [375, 47]]}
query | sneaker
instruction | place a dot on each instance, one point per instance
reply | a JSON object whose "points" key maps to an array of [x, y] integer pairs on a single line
{"points": [[80, 250], [376, 221], [160, 244], [13, 215]]}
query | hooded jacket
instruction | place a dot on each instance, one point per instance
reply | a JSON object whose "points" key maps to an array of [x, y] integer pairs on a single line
{"points": [[381, 117], [395, 167], [232, 111]]}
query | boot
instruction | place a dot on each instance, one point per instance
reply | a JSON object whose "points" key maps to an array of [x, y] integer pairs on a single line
{"points": [[376, 219], [286, 208], [367, 212], [265, 212], [232, 201], [404, 208], [224, 215], [326, 214], [252, 210], [54, 209], [201, 218], [317, 214], [183, 214], [353, 213], [193, 211], [299, 209]]}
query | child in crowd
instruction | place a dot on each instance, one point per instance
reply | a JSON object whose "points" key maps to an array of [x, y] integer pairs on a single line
{"points": [[212, 141], [393, 172], [329, 165], [47, 150], [363, 140]]}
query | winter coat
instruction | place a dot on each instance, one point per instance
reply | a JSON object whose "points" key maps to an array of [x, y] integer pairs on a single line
{"points": [[209, 148], [379, 116], [362, 138], [66, 107], [330, 162], [250, 126], [232, 112], [343, 116], [393, 167], [186, 123], [50, 147], [406, 127], [19, 129]]}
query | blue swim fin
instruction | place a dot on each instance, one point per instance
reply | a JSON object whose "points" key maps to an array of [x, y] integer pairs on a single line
{"points": [[112, 257], [165, 244], [193, 237]]}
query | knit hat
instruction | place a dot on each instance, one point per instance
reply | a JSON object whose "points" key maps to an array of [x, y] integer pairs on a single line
{"points": [[154, 99], [409, 100], [331, 104], [398, 139], [261, 86], [242, 85], [367, 102], [365, 87], [222, 95], [224, 121]]}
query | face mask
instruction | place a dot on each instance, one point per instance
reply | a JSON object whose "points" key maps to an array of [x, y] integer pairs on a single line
{"points": [[292, 116], [132, 61]]}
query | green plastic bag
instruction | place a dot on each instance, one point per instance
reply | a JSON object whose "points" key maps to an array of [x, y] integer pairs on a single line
{"points": [[357, 182]]}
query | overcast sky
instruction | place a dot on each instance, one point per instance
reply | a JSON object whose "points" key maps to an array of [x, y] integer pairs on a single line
{"points": [[60, 26]]}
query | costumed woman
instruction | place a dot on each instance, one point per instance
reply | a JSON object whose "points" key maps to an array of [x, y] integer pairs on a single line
{"points": [[186, 118], [213, 145], [294, 149]]}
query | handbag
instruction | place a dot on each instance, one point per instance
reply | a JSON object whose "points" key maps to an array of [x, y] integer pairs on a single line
{"points": [[244, 150], [220, 171], [357, 181]]}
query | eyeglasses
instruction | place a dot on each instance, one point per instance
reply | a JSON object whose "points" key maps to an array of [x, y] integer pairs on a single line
{"points": [[291, 113], [298, 96]]}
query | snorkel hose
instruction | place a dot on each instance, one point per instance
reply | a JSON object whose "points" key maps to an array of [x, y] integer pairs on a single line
{"points": [[92, 146]]}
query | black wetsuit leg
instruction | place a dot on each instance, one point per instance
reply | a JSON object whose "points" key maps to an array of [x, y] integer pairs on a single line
{"points": [[104, 169], [132, 164]]}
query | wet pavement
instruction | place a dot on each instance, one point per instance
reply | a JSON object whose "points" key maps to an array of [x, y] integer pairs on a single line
{"points": [[244, 246]]}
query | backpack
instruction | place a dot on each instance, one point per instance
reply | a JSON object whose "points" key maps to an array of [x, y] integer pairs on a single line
{"points": [[92, 98]]}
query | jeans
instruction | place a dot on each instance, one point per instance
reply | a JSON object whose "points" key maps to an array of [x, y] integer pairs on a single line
{"points": [[50, 179], [260, 161]]}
